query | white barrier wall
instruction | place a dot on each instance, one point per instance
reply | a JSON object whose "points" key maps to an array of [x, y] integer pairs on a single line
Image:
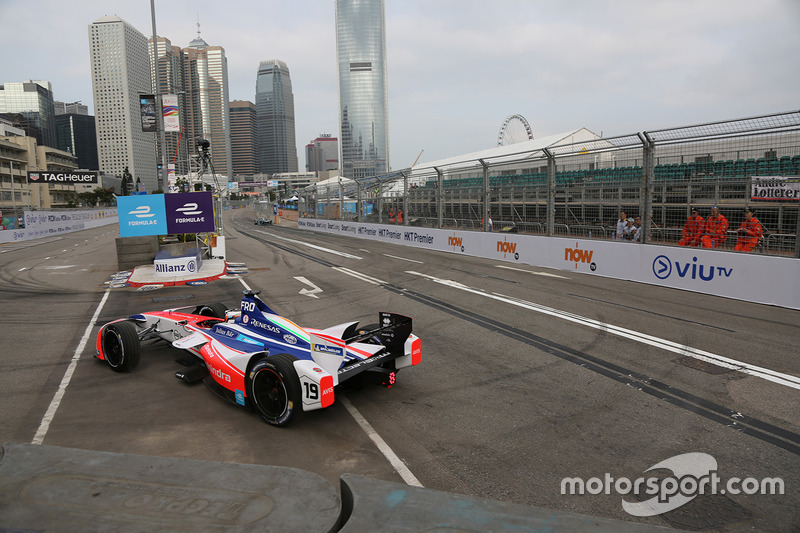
{"points": [[40, 224], [754, 278]]}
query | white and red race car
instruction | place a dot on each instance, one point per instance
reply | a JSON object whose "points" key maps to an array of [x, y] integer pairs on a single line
{"points": [[256, 358]]}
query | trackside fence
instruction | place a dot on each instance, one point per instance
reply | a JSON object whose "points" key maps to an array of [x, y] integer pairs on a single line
{"points": [[577, 189]]}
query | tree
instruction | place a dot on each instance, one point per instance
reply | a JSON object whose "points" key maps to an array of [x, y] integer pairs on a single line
{"points": [[104, 196]]}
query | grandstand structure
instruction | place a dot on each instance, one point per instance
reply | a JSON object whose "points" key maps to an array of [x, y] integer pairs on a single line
{"points": [[575, 183]]}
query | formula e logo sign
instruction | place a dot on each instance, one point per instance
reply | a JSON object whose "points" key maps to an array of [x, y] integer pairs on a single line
{"points": [[663, 268], [160, 214], [142, 215]]}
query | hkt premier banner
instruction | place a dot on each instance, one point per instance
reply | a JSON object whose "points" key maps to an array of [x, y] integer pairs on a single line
{"points": [[165, 214], [751, 277], [169, 110], [72, 178], [775, 188]]}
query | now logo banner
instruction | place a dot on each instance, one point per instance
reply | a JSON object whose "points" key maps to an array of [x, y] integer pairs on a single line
{"points": [[160, 214]]}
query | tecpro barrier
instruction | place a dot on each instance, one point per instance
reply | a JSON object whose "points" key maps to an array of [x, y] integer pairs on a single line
{"points": [[40, 224], [753, 278]]}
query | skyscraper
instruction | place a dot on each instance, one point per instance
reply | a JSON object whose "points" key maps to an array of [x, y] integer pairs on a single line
{"points": [[363, 88], [277, 147], [244, 141], [170, 81], [322, 153], [29, 105], [120, 74], [205, 79], [77, 135]]}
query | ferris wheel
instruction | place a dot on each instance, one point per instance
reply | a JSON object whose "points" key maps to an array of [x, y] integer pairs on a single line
{"points": [[514, 129]]}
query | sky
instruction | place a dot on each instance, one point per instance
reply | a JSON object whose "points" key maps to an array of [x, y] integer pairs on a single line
{"points": [[458, 68]]}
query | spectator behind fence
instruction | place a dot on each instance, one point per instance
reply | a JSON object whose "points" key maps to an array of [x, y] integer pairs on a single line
{"points": [[716, 230], [621, 223], [629, 230], [692, 230], [637, 233], [750, 233]]}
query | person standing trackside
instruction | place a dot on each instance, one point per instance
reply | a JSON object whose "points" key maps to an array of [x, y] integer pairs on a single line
{"points": [[488, 221], [750, 233], [637, 232], [692, 230], [621, 224], [716, 229]]}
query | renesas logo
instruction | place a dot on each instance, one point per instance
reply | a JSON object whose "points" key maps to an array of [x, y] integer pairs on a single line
{"points": [[456, 242], [663, 267], [507, 247], [577, 255]]}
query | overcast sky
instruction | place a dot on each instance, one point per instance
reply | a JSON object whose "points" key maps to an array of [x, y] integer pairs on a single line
{"points": [[458, 68]]}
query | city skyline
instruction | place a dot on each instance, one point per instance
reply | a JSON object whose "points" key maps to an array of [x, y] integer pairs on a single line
{"points": [[458, 68]]}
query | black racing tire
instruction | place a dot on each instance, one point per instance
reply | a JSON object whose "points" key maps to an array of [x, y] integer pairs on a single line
{"points": [[121, 346], [215, 310], [274, 389]]}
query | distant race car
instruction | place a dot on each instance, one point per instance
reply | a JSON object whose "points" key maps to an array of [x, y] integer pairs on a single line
{"points": [[258, 359]]}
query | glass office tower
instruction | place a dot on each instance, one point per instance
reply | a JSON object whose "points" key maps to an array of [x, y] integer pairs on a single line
{"points": [[363, 89], [277, 147], [29, 105]]}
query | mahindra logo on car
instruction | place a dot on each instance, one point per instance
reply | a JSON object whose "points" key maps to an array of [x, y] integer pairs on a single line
{"points": [[218, 373]]}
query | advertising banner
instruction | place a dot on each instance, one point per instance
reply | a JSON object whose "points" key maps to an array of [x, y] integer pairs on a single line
{"points": [[775, 188], [166, 214], [75, 177], [141, 215], [189, 212], [147, 104], [169, 110]]}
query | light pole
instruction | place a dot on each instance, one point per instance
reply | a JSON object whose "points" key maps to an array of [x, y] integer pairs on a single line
{"points": [[157, 87]]}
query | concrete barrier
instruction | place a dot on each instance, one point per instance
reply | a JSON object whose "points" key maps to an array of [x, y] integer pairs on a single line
{"points": [[136, 251]]}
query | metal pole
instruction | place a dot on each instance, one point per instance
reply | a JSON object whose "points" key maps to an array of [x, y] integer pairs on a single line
{"points": [[157, 88], [551, 192], [485, 211]]}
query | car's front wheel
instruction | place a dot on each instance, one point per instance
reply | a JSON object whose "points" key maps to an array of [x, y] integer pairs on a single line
{"points": [[121, 346], [274, 389]]}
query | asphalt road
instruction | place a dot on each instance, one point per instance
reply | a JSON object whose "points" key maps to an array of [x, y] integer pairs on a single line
{"points": [[528, 375]]}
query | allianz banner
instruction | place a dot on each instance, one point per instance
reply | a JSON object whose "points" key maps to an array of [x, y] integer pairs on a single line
{"points": [[165, 214]]}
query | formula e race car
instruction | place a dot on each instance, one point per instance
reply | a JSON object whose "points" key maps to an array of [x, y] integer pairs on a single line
{"points": [[258, 359]]}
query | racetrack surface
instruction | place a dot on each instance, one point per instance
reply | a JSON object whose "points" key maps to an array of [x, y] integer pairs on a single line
{"points": [[528, 376]]}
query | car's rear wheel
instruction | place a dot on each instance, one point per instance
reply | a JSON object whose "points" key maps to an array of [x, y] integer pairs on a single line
{"points": [[121, 346], [215, 310], [274, 389]]}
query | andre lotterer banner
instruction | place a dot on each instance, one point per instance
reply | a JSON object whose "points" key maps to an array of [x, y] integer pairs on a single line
{"points": [[62, 177], [775, 188], [165, 214]]}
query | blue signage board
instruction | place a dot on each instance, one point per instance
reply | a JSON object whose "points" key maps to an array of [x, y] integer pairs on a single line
{"points": [[160, 214]]}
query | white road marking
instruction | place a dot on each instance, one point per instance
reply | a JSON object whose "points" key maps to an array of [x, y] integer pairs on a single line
{"points": [[403, 259], [787, 380], [62, 388], [314, 289], [387, 452], [59, 267], [314, 246], [548, 274], [358, 275]]}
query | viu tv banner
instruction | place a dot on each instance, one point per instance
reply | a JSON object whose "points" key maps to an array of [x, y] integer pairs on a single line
{"points": [[165, 214]]}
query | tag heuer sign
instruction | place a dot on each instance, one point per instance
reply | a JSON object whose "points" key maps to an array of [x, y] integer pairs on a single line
{"points": [[62, 177]]}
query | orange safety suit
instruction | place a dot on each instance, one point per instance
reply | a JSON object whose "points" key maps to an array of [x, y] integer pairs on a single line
{"points": [[399, 216], [692, 231], [750, 233], [716, 231]]}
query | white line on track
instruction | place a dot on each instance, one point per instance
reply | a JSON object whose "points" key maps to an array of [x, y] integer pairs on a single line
{"points": [[548, 274], [359, 275], [314, 246], [787, 380], [387, 452], [62, 388], [403, 259]]}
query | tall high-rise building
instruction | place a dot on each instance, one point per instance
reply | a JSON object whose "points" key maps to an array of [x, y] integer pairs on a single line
{"points": [[244, 141], [120, 74], [170, 81], [76, 134], [205, 82], [277, 148], [77, 108], [29, 105], [363, 88], [322, 153]]}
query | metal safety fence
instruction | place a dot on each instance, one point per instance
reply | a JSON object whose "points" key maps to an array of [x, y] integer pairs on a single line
{"points": [[685, 186]]}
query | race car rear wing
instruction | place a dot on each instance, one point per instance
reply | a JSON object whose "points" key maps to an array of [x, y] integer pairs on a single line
{"points": [[393, 330]]}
